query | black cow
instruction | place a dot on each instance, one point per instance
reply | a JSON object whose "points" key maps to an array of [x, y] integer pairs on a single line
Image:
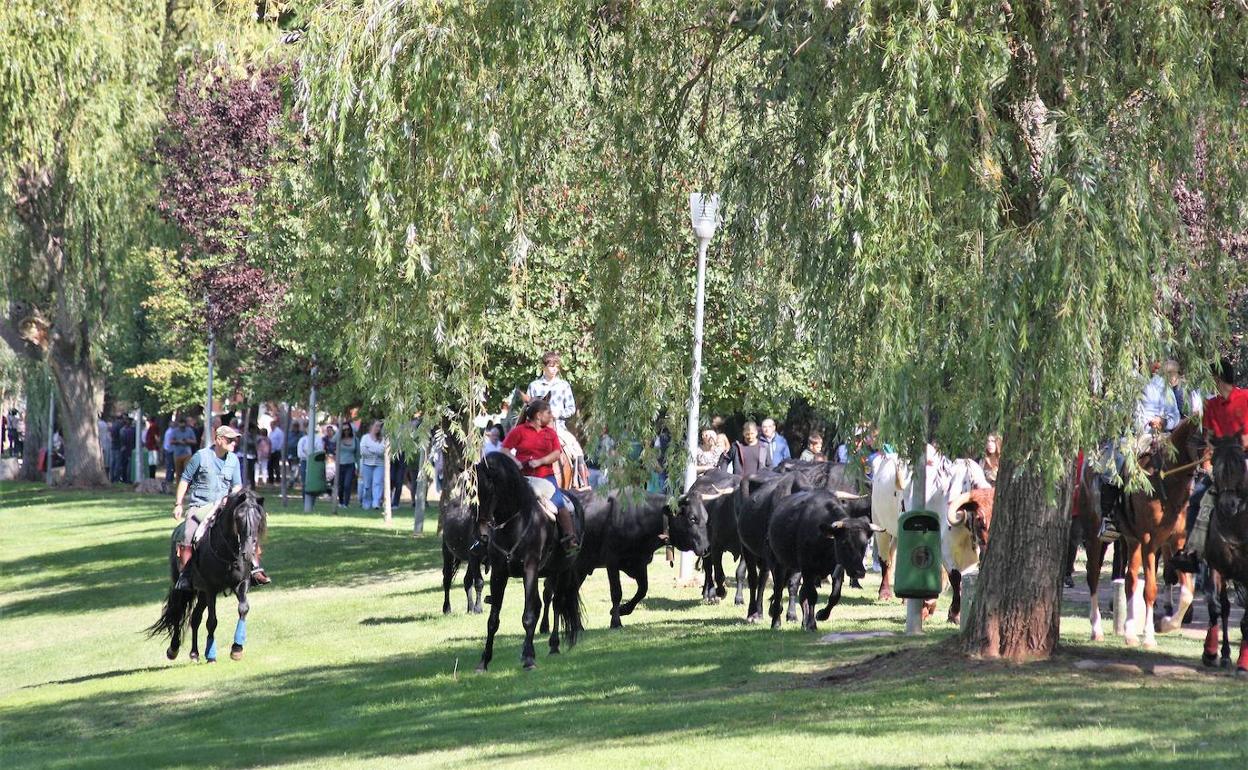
{"points": [[622, 531], [459, 531], [755, 502], [712, 494], [812, 535]]}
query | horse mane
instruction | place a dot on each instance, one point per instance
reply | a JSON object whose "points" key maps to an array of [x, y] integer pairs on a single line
{"points": [[1228, 455], [506, 482], [256, 516]]}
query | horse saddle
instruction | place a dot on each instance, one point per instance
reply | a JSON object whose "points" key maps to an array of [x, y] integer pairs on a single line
{"points": [[545, 492]]}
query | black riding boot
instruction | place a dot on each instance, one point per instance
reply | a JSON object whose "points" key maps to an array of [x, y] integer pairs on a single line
{"points": [[570, 544]]}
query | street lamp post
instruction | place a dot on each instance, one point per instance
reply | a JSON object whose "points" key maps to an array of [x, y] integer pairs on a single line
{"points": [[704, 216]]}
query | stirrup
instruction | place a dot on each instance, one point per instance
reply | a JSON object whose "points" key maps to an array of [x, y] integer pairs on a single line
{"points": [[1109, 533]]}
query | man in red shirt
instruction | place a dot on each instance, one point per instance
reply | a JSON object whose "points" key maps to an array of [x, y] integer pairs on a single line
{"points": [[1226, 414], [534, 444]]}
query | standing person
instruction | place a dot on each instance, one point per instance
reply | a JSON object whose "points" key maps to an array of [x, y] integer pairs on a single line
{"points": [[492, 441], [151, 445], [292, 443], [776, 444], [125, 466], [534, 444], [348, 455], [106, 445], [372, 460], [992, 458], [708, 455], [721, 437], [184, 443], [309, 444], [210, 476], [166, 446], [277, 441], [264, 455], [813, 453], [248, 453], [557, 394], [749, 454]]}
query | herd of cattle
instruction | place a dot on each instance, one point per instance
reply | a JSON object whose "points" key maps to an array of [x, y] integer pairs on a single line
{"points": [[800, 525]]}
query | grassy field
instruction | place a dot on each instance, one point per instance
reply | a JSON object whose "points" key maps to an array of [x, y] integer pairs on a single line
{"points": [[350, 663]]}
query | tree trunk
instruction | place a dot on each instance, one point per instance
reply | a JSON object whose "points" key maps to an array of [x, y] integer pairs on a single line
{"points": [[1017, 614], [35, 383], [80, 397]]}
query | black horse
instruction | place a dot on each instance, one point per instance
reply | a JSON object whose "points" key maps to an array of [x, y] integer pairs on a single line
{"points": [[524, 543], [1226, 550], [459, 531], [221, 563]]}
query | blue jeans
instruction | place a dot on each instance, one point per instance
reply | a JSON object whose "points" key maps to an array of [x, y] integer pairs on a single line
{"points": [[168, 466], [370, 489], [346, 484]]}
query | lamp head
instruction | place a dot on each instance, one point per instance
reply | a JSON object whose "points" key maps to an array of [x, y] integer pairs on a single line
{"points": [[704, 214]]}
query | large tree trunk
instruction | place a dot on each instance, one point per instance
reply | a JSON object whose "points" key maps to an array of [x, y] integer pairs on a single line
{"points": [[80, 399], [1017, 613], [36, 386]]}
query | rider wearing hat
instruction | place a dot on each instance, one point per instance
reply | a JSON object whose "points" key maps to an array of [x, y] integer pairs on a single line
{"points": [[211, 475]]}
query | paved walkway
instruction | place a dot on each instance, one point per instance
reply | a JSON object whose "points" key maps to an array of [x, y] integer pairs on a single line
{"points": [[1105, 590]]}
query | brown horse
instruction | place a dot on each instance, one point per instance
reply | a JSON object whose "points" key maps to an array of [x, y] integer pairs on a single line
{"points": [[1155, 527], [1094, 498]]}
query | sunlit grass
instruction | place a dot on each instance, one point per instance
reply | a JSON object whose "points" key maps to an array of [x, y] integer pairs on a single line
{"points": [[350, 663]]}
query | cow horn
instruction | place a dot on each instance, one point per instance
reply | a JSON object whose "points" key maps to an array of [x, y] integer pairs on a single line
{"points": [[956, 514], [848, 496], [876, 527]]}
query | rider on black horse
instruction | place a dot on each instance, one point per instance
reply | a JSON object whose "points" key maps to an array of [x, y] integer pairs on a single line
{"points": [[211, 475], [535, 446]]}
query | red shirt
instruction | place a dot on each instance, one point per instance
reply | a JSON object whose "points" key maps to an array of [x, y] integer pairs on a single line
{"points": [[1227, 416], [531, 443]]}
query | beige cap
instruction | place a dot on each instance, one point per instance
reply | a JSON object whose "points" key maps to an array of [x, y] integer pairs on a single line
{"points": [[225, 431]]}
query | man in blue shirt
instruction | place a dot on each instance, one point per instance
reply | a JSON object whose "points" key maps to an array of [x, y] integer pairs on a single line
{"points": [[778, 445], [209, 477]]}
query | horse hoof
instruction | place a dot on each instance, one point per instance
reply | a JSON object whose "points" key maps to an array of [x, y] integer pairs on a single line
{"points": [[446, 610], [615, 623], [954, 618], [711, 600], [171, 653], [1169, 624], [751, 619], [1131, 641], [481, 668], [554, 650], [194, 657], [1209, 661], [740, 600], [885, 596], [823, 615], [1149, 644], [775, 625], [530, 664], [1226, 663], [790, 617], [1098, 636], [476, 610], [721, 592]]}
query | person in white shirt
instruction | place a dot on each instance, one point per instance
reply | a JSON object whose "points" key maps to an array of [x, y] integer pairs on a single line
{"points": [[277, 440], [557, 393], [306, 447], [372, 464], [493, 441]]}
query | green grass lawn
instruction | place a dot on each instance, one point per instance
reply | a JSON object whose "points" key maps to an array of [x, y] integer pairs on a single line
{"points": [[350, 663]]}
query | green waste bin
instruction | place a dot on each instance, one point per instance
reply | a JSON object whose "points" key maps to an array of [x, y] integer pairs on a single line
{"points": [[314, 480], [918, 556]]}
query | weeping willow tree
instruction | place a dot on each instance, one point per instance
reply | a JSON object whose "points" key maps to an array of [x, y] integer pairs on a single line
{"points": [[975, 199], [77, 105]]}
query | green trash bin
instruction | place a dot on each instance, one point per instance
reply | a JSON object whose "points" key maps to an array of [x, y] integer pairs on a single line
{"points": [[918, 555], [314, 480]]}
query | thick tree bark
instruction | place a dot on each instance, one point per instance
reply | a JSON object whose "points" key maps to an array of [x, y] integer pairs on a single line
{"points": [[1017, 613], [80, 400]]}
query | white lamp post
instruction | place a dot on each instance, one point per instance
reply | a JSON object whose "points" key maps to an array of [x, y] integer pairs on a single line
{"points": [[704, 216]]}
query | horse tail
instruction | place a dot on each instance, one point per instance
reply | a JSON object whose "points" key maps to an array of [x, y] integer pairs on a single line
{"points": [[174, 614], [567, 605]]}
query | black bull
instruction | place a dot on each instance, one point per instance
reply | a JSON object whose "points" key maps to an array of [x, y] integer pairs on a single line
{"points": [[623, 529]]}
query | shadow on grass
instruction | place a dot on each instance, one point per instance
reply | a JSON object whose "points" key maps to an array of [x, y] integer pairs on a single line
{"points": [[615, 688], [133, 571]]}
